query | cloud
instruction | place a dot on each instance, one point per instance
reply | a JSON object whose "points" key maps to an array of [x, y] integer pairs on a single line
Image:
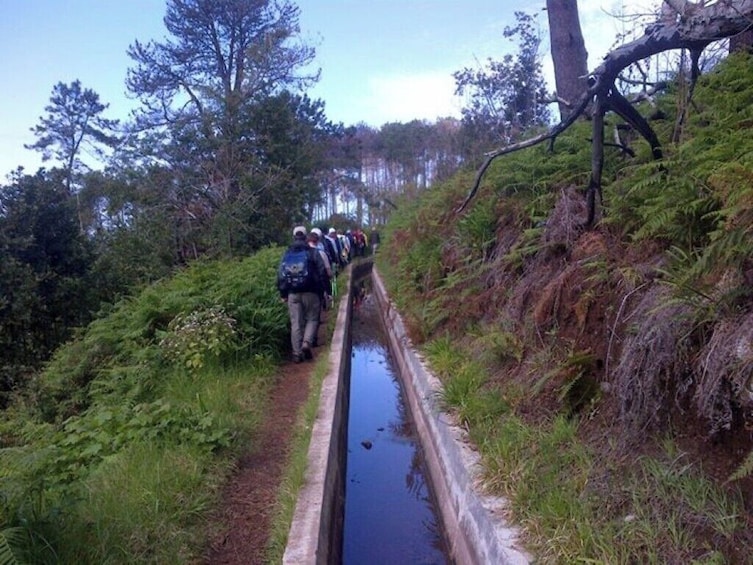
{"points": [[406, 97], [604, 21]]}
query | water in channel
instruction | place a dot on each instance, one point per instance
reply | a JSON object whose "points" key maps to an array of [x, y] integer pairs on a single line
{"points": [[390, 515]]}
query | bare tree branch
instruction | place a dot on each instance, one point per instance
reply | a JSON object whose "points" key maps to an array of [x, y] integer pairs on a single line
{"points": [[551, 134], [693, 26]]}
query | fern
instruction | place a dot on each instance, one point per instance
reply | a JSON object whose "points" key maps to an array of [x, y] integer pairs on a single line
{"points": [[567, 388], [476, 229], [11, 541], [703, 186], [696, 275], [576, 364], [529, 243], [745, 469], [681, 273], [679, 213]]}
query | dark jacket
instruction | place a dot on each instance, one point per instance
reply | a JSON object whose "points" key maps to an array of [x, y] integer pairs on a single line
{"points": [[318, 281], [332, 251]]}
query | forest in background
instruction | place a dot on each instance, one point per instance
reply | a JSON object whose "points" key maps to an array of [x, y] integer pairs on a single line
{"points": [[215, 163]]}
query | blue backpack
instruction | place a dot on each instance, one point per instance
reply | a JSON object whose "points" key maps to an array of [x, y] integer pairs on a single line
{"points": [[294, 274]]}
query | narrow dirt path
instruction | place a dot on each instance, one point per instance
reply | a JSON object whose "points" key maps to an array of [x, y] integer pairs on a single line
{"points": [[249, 497]]}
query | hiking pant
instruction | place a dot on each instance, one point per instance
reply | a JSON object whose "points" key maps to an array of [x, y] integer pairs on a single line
{"points": [[304, 310]]}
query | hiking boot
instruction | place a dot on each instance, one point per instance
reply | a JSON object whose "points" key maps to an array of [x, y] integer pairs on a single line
{"points": [[297, 358], [307, 351]]}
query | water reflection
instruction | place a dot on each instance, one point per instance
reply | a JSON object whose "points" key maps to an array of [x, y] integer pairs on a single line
{"points": [[390, 516]]}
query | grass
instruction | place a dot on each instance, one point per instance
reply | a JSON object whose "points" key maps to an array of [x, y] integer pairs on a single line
{"points": [[129, 468], [116, 454], [231, 392], [511, 286], [149, 502], [563, 494]]}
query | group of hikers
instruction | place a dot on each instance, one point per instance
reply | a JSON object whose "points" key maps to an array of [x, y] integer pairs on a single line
{"points": [[307, 279]]}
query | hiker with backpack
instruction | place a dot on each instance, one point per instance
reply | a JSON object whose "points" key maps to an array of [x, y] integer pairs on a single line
{"points": [[302, 281], [360, 242], [313, 241], [334, 244], [329, 249]]}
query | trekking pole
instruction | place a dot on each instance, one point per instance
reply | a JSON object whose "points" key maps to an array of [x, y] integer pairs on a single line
{"points": [[334, 286]]}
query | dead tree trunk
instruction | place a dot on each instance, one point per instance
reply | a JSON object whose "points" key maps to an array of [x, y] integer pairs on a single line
{"points": [[568, 52]]}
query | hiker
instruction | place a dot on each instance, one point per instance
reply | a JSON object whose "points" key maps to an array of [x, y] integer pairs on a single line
{"points": [[374, 238], [345, 244], [331, 249], [302, 280], [360, 242], [334, 241], [314, 241], [351, 244], [326, 298], [324, 246]]}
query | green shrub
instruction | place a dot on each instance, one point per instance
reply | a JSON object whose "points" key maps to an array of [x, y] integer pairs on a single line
{"points": [[119, 447], [120, 355], [192, 338]]}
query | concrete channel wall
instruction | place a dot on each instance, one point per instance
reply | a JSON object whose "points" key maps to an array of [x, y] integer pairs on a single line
{"points": [[475, 524], [315, 535]]}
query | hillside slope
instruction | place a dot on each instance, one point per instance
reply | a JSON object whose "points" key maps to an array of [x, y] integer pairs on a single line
{"points": [[637, 334]]}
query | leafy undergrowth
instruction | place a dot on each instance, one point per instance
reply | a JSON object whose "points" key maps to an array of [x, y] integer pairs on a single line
{"points": [[604, 374], [117, 452]]}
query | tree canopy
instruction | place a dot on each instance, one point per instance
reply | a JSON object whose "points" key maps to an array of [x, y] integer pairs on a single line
{"points": [[508, 96], [74, 123], [43, 273], [207, 93]]}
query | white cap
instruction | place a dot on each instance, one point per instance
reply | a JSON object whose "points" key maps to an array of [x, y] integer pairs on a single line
{"points": [[317, 231], [299, 230], [332, 230]]}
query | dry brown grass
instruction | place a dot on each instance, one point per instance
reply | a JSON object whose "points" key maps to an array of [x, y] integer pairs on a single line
{"points": [[654, 368], [724, 373]]}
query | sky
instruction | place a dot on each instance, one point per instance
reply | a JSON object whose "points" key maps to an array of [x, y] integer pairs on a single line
{"points": [[381, 60]]}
